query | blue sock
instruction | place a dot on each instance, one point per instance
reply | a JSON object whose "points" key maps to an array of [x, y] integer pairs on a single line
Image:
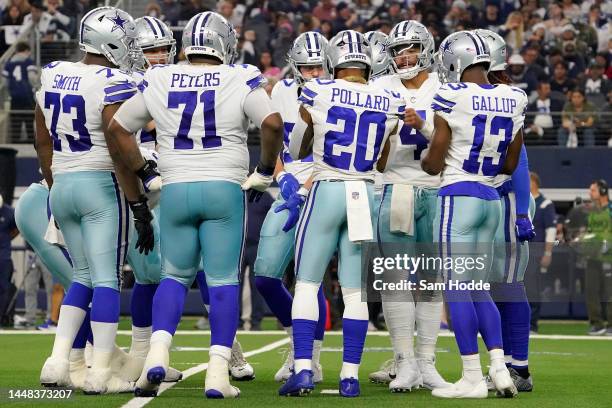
{"points": [[354, 334], [203, 286], [168, 304], [142, 304], [277, 298], [223, 315], [320, 330], [303, 336], [79, 296], [489, 322], [519, 316], [83, 334], [464, 319], [497, 293], [105, 305]]}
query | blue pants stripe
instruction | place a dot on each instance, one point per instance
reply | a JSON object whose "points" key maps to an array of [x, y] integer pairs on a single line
{"points": [[301, 233], [120, 232]]}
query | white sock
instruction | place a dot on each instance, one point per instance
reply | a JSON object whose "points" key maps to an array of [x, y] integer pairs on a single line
{"points": [[316, 351], [302, 364], [222, 351], [162, 336], [141, 337], [104, 343], [349, 370], [428, 316], [472, 371], [399, 317], [497, 358], [68, 325], [305, 305]]}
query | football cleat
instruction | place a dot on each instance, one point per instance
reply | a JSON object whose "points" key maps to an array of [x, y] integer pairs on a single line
{"points": [[55, 373], [349, 387], [286, 369], [239, 368], [430, 375], [154, 371], [408, 376], [317, 373], [217, 384], [78, 370], [386, 374], [463, 389], [173, 375], [503, 382], [522, 384], [298, 384], [102, 381]]}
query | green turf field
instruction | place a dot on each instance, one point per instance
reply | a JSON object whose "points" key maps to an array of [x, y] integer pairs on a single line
{"points": [[567, 372]]}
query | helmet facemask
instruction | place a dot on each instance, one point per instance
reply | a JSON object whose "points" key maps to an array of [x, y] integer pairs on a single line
{"points": [[406, 62]]}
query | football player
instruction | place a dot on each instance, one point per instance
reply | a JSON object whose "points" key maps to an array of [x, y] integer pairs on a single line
{"points": [[204, 160], [408, 207], [346, 124], [74, 107], [469, 158], [381, 64], [276, 242], [511, 257]]}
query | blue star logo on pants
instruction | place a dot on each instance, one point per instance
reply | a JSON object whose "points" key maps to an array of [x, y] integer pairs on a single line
{"points": [[118, 21]]}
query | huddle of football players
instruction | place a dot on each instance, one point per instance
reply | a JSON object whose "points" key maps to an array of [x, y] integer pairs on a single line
{"points": [[115, 127]]}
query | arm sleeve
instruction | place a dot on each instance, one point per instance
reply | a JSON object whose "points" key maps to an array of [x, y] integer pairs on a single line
{"points": [[521, 183], [257, 106], [133, 115]]}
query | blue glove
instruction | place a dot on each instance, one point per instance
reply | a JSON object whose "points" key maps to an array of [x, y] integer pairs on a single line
{"points": [[524, 228], [293, 205], [288, 184]]}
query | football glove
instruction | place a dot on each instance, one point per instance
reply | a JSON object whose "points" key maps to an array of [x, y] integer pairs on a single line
{"points": [[142, 223], [148, 174], [258, 182], [287, 183], [293, 205], [524, 228]]}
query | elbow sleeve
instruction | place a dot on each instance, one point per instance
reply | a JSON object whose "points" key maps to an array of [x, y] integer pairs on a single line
{"points": [[521, 183]]}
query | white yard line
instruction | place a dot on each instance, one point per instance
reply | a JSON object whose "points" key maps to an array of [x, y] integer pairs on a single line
{"points": [[139, 402]]}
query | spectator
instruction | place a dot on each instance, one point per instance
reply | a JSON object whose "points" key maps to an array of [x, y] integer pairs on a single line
{"points": [[297, 8], [577, 121], [267, 69], [598, 280], [604, 33], [541, 250], [574, 51], [14, 17], [281, 45], [561, 82], [556, 20], [365, 10], [23, 5], [171, 11], [325, 10], [40, 19], [308, 23], [605, 123], [595, 86], [21, 75], [457, 15], [520, 75], [394, 13], [231, 13], [534, 67], [36, 271], [8, 231], [570, 9], [326, 29], [154, 10], [61, 26], [491, 18], [513, 31], [546, 110], [246, 49], [345, 18]]}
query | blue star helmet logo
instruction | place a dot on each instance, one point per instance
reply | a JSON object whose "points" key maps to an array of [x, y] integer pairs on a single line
{"points": [[118, 21], [447, 46]]}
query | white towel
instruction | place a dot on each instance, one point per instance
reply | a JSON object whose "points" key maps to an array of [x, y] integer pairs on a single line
{"points": [[53, 235], [402, 209], [358, 215]]}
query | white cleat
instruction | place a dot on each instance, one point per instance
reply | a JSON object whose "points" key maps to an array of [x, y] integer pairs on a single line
{"points": [[102, 381], [117, 385], [386, 374], [463, 389], [55, 373], [78, 373], [217, 383], [239, 368], [503, 382], [317, 373], [173, 375], [430, 375], [131, 368], [408, 377], [286, 369], [154, 371]]}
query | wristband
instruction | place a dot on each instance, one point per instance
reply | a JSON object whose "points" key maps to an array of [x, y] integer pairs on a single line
{"points": [[264, 170]]}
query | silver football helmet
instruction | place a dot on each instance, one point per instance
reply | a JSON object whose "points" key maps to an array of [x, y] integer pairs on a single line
{"points": [[497, 49], [380, 58], [408, 34], [154, 33], [212, 35], [459, 51], [307, 49], [110, 32], [348, 49]]}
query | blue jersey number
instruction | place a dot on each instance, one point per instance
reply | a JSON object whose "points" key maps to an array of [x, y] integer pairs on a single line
{"points": [[67, 104], [347, 136], [472, 164], [411, 136], [190, 100]]}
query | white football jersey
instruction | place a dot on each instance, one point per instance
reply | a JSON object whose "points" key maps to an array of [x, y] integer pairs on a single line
{"points": [[200, 121], [285, 101], [143, 137], [484, 120], [72, 96], [352, 122], [404, 165]]}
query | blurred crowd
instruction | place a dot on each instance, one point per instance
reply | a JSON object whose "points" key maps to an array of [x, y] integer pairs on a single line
{"points": [[560, 52]]}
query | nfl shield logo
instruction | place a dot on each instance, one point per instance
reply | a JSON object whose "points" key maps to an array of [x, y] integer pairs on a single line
{"points": [[355, 195]]}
